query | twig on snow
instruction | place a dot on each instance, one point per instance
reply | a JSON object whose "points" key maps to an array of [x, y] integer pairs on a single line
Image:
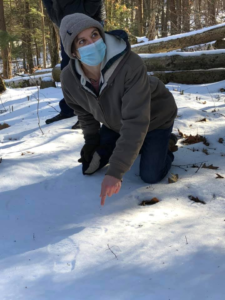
{"points": [[112, 251], [38, 110]]}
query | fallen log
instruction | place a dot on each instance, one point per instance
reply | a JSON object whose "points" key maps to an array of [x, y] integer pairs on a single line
{"points": [[180, 41], [27, 81], [191, 77], [184, 60], [47, 82]]}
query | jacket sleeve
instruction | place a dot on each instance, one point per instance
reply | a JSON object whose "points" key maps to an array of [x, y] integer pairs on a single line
{"points": [[88, 123], [135, 121]]}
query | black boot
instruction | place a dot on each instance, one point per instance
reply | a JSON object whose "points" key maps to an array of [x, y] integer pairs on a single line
{"points": [[56, 118], [76, 126]]}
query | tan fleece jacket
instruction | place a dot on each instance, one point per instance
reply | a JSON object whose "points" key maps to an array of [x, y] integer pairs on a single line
{"points": [[131, 103]]}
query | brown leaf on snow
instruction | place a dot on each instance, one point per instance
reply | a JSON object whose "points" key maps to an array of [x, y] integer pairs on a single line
{"points": [[149, 202], [4, 125], [194, 139], [222, 90], [204, 102], [211, 167], [180, 133], [195, 199], [173, 178], [219, 176], [220, 140], [203, 120]]}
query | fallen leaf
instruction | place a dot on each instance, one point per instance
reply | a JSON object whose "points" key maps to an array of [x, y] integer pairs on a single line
{"points": [[205, 151], [180, 133], [195, 199], [149, 202], [4, 125], [203, 120], [220, 140], [219, 176], [173, 178], [222, 90], [193, 139], [204, 102], [212, 167]]}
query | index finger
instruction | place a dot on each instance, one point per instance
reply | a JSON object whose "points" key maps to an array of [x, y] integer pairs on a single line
{"points": [[103, 199]]}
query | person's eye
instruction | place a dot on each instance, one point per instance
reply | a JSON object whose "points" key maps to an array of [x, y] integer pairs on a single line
{"points": [[95, 34], [81, 42]]}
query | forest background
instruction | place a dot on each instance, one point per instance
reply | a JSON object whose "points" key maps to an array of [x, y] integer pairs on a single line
{"points": [[28, 38]]}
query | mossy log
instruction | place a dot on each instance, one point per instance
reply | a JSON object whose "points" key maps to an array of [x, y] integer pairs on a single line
{"points": [[184, 61], [191, 77], [56, 71], [47, 82], [180, 41]]}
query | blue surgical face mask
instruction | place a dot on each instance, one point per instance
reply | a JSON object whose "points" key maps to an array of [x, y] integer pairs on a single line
{"points": [[93, 54]]}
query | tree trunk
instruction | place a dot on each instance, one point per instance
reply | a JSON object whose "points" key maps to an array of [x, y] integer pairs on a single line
{"points": [[163, 20], [5, 50], [43, 33], [179, 15], [54, 50], [140, 17], [197, 14], [170, 44], [2, 85], [184, 61], [186, 16], [152, 29], [173, 17], [211, 20], [28, 40]]}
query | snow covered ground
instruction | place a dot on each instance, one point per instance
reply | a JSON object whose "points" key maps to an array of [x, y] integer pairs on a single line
{"points": [[58, 243]]}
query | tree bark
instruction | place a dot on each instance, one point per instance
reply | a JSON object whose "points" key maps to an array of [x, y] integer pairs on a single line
{"points": [[43, 33], [184, 61], [6, 50], [180, 41]]}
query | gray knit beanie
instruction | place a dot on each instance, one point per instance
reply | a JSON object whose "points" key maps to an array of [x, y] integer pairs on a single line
{"points": [[72, 25]]}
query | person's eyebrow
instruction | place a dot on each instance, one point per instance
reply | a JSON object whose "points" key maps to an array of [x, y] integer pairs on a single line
{"points": [[81, 38]]}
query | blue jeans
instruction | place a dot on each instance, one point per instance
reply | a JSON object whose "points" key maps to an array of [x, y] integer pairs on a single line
{"points": [[156, 159]]}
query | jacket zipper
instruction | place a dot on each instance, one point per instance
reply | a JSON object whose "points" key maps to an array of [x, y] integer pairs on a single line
{"points": [[98, 101]]}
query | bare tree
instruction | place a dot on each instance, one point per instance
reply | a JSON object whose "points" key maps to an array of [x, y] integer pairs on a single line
{"points": [[5, 47]]}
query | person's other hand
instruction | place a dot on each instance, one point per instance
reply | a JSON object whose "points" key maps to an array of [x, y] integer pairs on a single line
{"points": [[110, 186]]}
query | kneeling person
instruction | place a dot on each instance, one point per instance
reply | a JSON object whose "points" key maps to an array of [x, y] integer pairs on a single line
{"points": [[105, 82]]}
